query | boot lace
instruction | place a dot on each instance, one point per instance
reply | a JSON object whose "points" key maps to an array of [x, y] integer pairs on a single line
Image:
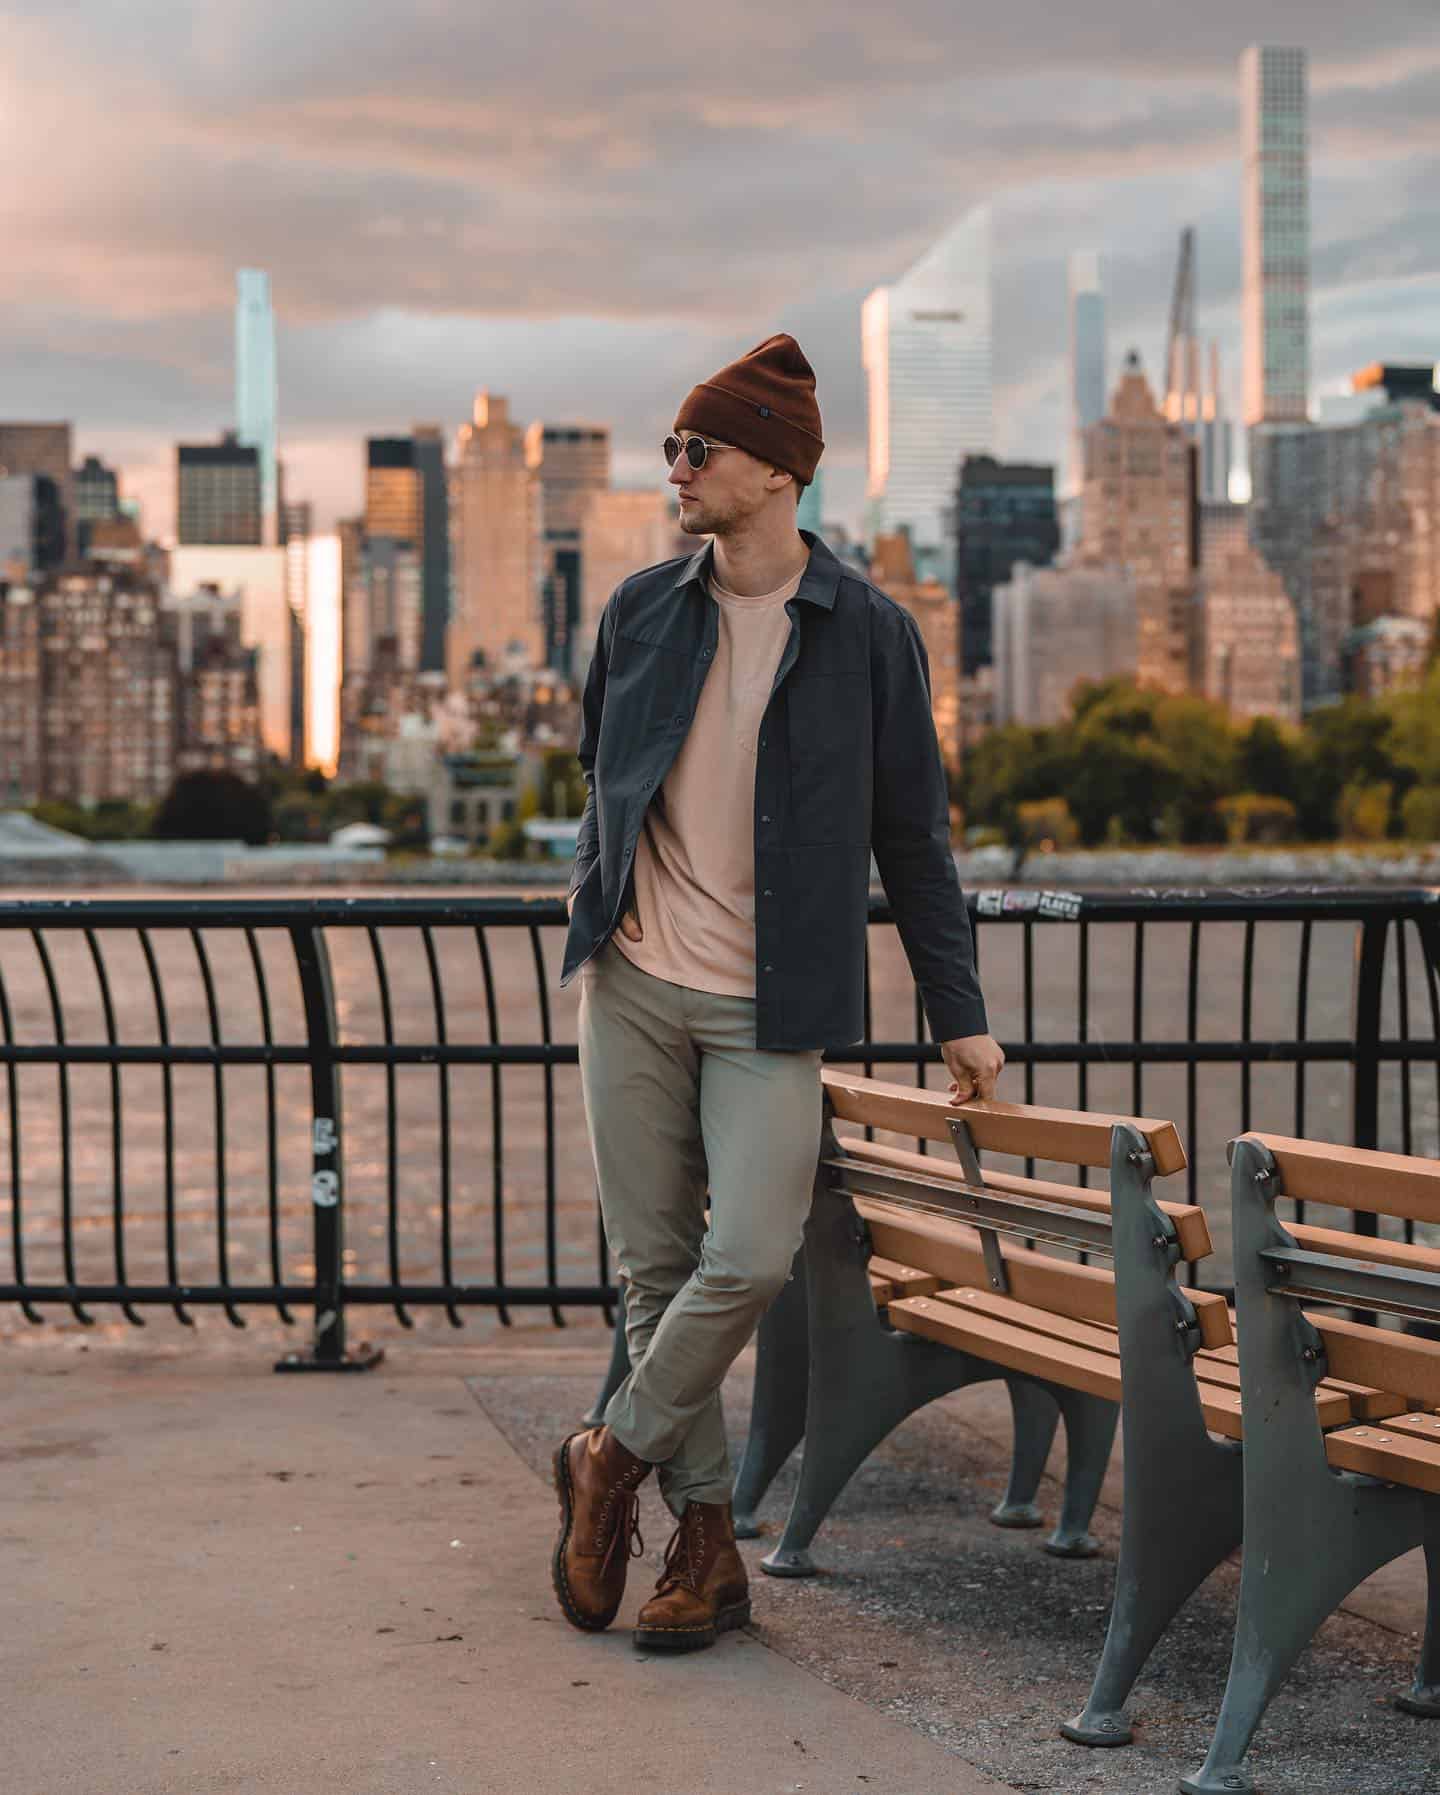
{"points": [[625, 1505], [682, 1559]]}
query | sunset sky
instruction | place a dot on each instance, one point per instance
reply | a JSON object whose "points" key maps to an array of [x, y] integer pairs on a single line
{"points": [[588, 208]]}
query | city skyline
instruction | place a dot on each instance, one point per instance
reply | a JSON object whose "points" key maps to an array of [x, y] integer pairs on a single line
{"points": [[430, 228]]}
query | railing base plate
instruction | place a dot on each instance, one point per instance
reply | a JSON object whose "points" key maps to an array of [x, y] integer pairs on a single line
{"points": [[363, 1357]]}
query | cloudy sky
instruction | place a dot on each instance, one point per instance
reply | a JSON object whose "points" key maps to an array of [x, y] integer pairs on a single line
{"points": [[589, 207]]}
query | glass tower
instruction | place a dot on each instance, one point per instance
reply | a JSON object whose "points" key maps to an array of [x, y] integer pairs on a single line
{"points": [[926, 350], [1088, 397], [1276, 294], [255, 388]]}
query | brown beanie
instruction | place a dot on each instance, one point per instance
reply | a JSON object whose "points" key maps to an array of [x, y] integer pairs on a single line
{"points": [[763, 403]]}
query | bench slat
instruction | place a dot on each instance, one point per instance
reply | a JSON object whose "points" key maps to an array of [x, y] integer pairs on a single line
{"points": [[1382, 1451], [1190, 1225], [1356, 1178], [1219, 1369], [1065, 1137], [1076, 1367], [1381, 1358], [1404, 1255], [901, 1280], [1417, 1425], [1365, 1404], [952, 1249]]}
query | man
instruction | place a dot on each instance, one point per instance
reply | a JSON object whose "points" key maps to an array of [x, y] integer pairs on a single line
{"points": [[756, 721]]}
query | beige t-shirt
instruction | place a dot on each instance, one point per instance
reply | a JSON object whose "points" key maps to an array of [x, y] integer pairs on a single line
{"points": [[695, 858]]}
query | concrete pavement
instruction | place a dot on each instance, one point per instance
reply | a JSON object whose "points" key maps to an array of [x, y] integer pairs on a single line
{"points": [[216, 1579]]}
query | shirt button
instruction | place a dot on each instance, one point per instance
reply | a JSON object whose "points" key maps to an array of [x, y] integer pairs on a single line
{"points": [[769, 968], [767, 893], [645, 784], [764, 819]]}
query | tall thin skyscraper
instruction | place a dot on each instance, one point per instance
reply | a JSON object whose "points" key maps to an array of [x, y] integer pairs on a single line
{"points": [[925, 343], [256, 401], [1276, 303], [1193, 396], [1088, 375]]}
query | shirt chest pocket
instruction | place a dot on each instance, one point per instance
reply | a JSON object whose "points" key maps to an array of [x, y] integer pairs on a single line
{"points": [[647, 689], [827, 720]]}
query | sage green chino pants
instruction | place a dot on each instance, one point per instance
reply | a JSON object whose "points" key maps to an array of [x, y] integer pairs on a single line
{"points": [[679, 1102]]}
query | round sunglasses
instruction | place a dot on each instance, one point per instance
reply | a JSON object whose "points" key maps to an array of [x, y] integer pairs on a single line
{"points": [[695, 449]]}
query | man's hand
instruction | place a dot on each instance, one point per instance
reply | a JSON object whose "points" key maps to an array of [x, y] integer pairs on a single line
{"points": [[973, 1062], [630, 926]]}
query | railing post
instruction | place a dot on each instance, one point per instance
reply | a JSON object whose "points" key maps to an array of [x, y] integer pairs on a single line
{"points": [[1365, 1073], [327, 1182]]}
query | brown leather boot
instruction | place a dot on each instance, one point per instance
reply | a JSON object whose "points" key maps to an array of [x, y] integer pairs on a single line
{"points": [[596, 1479], [703, 1590]]}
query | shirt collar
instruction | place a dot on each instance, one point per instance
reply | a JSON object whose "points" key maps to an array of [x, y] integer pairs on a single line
{"points": [[818, 585]]}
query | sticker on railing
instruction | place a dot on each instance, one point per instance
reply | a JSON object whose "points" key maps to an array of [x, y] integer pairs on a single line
{"points": [[325, 1136], [1063, 906], [325, 1190]]}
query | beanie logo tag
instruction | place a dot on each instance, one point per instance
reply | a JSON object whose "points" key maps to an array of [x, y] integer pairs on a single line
{"points": [[764, 411]]}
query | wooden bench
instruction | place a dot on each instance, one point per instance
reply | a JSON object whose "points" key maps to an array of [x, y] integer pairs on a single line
{"points": [[1327, 1505], [830, 1368]]}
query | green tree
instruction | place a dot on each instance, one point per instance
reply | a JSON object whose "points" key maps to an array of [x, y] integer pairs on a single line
{"points": [[1347, 743], [1420, 813], [1363, 810], [1269, 759], [213, 806], [1011, 765], [1414, 738]]}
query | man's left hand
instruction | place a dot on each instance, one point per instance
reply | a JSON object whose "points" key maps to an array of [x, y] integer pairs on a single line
{"points": [[973, 1062]]}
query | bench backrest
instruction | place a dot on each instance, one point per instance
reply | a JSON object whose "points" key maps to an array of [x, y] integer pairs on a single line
{"points": [[1309, 1264], [912, 1202]]}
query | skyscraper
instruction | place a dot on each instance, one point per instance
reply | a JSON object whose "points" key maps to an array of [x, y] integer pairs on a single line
{"points": [[434, 544], [1004, 512], [218, 493], [42, 451], [1276, 296], [495, 539], [1088, 378], [256, 401], [1138, 512], [571, 461], [407, 505], [1193, 396], [925, 344]]}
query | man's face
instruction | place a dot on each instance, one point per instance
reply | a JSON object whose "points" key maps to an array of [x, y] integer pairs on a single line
{"points": [[717, 499]]}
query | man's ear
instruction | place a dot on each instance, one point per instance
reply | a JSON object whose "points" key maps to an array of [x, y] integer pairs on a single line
{"points": [[778, 477]]}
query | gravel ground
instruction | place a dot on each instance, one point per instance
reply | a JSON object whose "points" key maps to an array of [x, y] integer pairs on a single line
{"points": [[976, 1637]]}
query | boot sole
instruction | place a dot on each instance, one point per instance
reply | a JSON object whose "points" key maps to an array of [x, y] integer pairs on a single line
{"points": [[587, 1623], [692, 1639]]}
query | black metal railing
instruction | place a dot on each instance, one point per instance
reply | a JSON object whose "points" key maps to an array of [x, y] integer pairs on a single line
{"points": [[336, 1103]]}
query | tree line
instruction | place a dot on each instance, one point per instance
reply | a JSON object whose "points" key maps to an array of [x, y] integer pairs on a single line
{"points": [[1134, 766]]}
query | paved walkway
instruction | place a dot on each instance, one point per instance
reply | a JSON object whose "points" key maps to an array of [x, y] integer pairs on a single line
{"points": [[216, 1579]]}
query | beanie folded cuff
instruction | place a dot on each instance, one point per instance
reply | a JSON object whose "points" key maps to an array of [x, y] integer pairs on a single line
{"points": [[712, 410]]}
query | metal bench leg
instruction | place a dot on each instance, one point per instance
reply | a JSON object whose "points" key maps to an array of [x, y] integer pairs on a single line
{"points": [[1090, 1424], [616, 1372], [1311, 1534], [1423, 1698], [1036, 1415], [862, 1387], [777, 1413], [1184, 1496], [1169, 1545], [1300, 1563]]}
